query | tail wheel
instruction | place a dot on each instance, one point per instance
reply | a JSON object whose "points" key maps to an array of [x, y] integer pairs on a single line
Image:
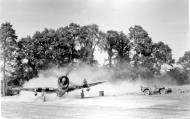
{"points": [[162, 91], [146, 92]]}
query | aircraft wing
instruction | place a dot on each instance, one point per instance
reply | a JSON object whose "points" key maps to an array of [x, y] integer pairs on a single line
{"points": [[96, 83], [52, 90], [75, 87], [37, 89]]}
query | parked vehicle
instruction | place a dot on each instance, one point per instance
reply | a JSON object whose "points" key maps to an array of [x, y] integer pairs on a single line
{"points": [[155, 90]]}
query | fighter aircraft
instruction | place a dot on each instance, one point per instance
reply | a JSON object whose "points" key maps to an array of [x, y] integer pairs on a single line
{"points": [[64, 86]]}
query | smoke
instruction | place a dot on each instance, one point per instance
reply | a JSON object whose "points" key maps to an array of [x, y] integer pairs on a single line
{"points": [[77, 74], [113, 85]]}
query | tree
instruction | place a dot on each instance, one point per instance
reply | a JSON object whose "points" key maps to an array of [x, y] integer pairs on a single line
{"points": [[8, 46], [26, 65], [185, 60], [8, 42], [122, 48], [67, 41], [148, 54], [118, 47], [110, 43], [75, 43], [142, 46], [161, 54], [34, 54], [45, 49], [89, 38]]}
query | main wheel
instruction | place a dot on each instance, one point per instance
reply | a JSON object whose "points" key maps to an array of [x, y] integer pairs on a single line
{"points": [[147, 92], [44, 98], [82, 95], [162, 91]]}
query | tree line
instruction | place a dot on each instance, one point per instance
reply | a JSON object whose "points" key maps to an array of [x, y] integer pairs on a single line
{"points": [[71, 44]]}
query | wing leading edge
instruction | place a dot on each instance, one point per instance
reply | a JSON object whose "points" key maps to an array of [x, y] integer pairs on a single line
{"points": [[38, 89], [75, 87], [54, 90]]}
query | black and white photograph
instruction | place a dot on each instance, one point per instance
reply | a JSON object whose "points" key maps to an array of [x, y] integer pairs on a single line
{"points": [[95, 59]]}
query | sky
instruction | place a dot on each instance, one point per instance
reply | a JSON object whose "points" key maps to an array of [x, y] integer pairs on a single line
{"points": [[164, 20]]}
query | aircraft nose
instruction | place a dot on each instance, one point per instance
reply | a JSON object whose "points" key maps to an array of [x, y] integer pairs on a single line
{"points": [[63, 82]]}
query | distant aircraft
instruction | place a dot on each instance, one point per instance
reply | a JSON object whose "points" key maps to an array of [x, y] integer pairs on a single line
{"points": [[64, 87]]}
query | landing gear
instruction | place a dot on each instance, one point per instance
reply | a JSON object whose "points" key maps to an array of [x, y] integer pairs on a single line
{"points": [[82, 93], [43, 96], [35, 94]]}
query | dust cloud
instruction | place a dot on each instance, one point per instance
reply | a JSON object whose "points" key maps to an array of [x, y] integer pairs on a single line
{"points": [[77, 74], [113, 86]]}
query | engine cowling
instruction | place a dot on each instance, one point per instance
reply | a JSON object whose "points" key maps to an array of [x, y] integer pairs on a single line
{"points": [[63, 82], [63, 85]]}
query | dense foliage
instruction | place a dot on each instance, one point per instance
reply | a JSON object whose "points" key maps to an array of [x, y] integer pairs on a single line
{"points": [[134, 52], [185, 60], [8, 45]]}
